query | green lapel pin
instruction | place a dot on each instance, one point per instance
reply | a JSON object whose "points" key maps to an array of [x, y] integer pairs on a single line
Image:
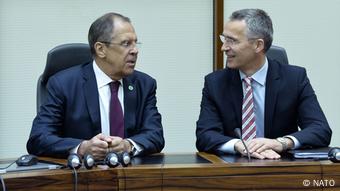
{"points": [[130, 87]]}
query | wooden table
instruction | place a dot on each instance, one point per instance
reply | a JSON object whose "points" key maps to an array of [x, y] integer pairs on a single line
{"points": [[187, 171]]}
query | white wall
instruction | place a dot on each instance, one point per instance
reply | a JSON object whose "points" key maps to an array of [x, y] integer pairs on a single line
{"points": [[176, 50], [309, 31]]}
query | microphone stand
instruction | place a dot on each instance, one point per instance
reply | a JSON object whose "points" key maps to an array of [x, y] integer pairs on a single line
{"points": [[237, 131]]}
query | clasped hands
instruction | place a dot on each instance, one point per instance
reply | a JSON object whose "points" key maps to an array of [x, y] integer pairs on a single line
{"points": [[102, 144], [261, 148]]}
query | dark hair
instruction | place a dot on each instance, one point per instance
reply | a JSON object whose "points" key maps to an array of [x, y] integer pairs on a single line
{"points": [[259, 24], [101, 29]]}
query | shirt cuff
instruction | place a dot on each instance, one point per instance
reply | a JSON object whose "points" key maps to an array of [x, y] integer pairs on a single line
{"points": [[297, 144], [229, 147], [137, 148], [75, 150]]}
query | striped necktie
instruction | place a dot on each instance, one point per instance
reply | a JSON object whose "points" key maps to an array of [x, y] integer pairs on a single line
{"points": [[248, 115]]}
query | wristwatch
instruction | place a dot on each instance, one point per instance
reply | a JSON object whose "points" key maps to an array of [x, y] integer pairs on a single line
{"points": [[133, 148], [283, 143]]}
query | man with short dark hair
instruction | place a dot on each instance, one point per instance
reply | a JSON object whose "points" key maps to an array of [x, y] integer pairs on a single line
{"points": [[102, 106]]}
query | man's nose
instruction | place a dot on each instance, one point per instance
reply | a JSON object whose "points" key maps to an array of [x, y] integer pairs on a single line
{"points": [[134, 50], [224, 47]]}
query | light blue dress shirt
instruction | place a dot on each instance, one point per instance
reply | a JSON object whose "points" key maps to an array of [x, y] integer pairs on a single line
{"points": [[259, 92]]}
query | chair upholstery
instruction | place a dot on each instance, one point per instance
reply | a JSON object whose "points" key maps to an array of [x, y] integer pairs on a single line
{"points": [[277, 53], [60, 58]]}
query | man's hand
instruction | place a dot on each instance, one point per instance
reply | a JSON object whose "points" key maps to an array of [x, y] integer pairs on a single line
{"points": [[261, 148], [119, 145], [97, 146], [240, 148], [261, 144], [266, 154], [101, 144]]}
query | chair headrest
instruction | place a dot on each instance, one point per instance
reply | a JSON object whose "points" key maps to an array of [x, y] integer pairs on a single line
{"points": [[65, 56], [277, 53]]}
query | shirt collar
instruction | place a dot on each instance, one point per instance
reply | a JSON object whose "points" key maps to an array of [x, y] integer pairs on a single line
{"points": [[260, 75], [101, 77]]}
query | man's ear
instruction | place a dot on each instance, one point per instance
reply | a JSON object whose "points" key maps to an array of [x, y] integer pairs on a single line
{"points": [[259, 45], [100, 49]]}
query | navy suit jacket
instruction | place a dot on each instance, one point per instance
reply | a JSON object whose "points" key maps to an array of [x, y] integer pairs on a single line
{"points": [[71, 113], [290, 103]]}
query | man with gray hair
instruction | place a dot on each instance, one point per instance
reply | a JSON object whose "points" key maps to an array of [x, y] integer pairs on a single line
{"points": [[102, 106], [267, 101]]}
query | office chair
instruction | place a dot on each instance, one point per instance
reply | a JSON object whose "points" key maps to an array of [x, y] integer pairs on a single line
{"points": [[60, 58], [277, 53]]}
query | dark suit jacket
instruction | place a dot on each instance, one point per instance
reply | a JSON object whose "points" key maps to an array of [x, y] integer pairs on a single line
{"points": [[72, 114], [290, 102]]}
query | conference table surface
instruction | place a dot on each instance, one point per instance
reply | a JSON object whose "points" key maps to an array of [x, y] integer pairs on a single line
{"points": [[185, 171]]}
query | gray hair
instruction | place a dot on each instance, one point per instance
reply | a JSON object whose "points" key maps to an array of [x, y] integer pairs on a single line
{"points": [[259, 24], [101, 29]]}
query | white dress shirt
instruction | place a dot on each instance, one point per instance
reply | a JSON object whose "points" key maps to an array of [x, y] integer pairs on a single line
{"points": [[103, 84]]}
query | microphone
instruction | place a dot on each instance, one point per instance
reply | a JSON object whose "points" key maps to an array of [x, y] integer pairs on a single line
{"points": [[89, 161], [334, 154], [124, 159], [74, 161], [237, 132], [112, 159]]}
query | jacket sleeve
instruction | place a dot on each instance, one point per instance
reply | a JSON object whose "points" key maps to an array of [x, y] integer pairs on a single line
{"points": [[46, 134], [209, 126], [150, 130], [315, 131]]}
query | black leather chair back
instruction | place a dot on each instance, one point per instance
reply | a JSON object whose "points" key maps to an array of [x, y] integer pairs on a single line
{"points": [[277, 53], [60, 58]]}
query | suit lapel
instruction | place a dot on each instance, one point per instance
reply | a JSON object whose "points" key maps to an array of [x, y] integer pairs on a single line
{"points": [[272, 89], [237, 94], [91, 96], [130, 102]]}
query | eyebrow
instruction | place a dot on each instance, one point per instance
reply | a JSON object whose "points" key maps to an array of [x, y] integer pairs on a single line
{"points": [[129, 40], [233, 38], [123, 38], [227, 36]]}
